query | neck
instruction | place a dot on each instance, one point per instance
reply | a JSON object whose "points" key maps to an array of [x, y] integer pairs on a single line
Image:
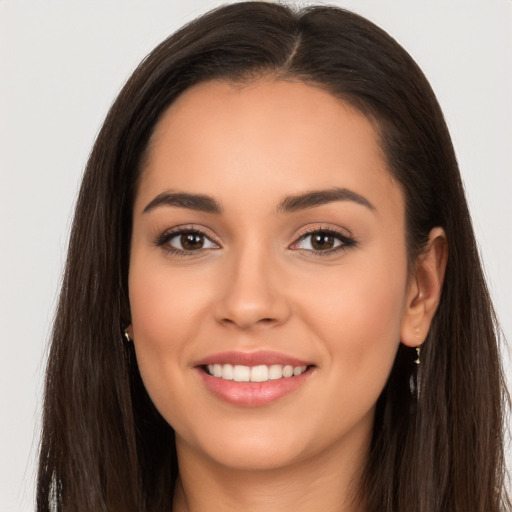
{"points": [[328, 481]]}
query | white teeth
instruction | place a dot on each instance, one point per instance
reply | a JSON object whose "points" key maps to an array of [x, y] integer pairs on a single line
{"points": [[241, 373], [275, 372], [299, 369], [287, 371], [260, 373], [227, 372]]}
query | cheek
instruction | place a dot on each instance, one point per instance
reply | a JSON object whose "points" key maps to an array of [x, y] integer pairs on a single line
{"points": [[164, 303], [357, 327], [356, 314], [164, 308]]}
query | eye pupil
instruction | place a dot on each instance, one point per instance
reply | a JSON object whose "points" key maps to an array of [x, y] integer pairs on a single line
{"points": [[321, 241], [191, 241]]}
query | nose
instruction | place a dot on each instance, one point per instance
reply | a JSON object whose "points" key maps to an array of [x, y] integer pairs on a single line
{"points": [[252, 293]]}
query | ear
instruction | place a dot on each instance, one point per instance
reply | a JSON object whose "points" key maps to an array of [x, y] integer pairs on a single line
{"points": [[424, 289]]}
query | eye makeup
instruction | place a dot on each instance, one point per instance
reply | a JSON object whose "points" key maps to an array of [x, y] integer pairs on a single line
{"points": [[323, 241], [190, 240]]}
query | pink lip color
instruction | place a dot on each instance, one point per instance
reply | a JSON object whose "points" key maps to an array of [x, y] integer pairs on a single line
{"points": [[251, 394], [251, 359]]}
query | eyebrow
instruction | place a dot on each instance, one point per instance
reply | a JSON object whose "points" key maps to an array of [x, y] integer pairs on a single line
{"points": [[320, 197], [199, 202], [290, 204]]}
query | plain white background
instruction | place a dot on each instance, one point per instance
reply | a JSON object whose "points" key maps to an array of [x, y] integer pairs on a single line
{"points": [[61, 65]]}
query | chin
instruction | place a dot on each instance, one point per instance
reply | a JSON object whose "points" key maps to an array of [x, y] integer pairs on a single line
{"points": [[241, 444], [255, 454]]}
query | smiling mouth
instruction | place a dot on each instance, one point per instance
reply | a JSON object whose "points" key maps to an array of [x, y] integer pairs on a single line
{"points": [[259, 373], [253, 379]]}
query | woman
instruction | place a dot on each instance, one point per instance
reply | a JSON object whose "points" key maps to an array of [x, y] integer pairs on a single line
{"points": [[273, 296]]}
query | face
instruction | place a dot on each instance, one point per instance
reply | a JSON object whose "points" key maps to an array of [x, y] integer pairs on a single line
{"points": [[268, 273]]}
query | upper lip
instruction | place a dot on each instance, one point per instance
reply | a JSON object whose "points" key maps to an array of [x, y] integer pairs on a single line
{"points": [[262, 357]]}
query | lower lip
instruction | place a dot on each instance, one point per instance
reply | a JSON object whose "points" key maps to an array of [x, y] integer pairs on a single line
{"points": [[253, 394]]}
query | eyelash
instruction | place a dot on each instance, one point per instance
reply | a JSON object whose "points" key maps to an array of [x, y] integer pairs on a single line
{"points": [[163, 241], [346, 241]]}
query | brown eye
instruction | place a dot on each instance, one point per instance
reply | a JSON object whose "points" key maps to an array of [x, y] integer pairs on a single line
{"points": [[191, 241], [322, 241], [188, 241]]}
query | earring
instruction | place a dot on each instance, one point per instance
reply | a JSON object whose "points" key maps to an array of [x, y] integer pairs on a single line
{"points": [[417, 360], [127, 336]]}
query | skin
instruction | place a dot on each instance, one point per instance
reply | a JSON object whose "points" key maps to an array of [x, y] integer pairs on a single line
{"points": [[256, 285]]}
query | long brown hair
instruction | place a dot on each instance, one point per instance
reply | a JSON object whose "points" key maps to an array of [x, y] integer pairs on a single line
{"points": [[438, 436]]}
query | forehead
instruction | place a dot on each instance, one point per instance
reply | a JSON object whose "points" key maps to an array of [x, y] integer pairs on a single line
{"points": [[269, 137]]}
